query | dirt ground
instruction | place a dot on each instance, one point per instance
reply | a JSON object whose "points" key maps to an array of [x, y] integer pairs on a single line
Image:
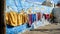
{"points": [[48, 29]]}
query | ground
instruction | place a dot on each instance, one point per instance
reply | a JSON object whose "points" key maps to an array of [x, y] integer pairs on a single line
{"points": [[48, 29]]}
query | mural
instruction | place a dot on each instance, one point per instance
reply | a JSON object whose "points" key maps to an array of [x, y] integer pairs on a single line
{"points": [[22, 15]]}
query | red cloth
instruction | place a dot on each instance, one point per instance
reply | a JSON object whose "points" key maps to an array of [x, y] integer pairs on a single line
{"points": [[47, 16], [39, 16]]}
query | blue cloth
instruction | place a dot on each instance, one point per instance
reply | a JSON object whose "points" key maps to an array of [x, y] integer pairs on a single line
{"points": [[33, 17]]}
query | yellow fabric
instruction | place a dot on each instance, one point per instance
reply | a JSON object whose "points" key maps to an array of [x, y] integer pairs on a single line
{"points": [[14, 19], [11, 18], [25, 18], [22, 18]]}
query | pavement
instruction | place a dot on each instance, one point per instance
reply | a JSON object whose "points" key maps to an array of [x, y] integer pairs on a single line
{"points": [[48, 29]]}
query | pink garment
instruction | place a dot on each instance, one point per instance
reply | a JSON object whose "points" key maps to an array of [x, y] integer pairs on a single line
{"points": [[30, 19], [47, 16]]}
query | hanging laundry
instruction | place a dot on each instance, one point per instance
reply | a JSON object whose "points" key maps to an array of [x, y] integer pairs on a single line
{"points": [[47, 16], [12, 18], [38, 15], [33, 17], [25, 17], [51, 15], [30, 18], [22, 18]]}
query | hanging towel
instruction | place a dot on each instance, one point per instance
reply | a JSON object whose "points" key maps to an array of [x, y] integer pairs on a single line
{"points": [[39, 16], [33, 17], [30, 19]]}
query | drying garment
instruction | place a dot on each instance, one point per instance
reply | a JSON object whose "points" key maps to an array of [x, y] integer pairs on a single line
{"points": [[38, 16], [22, 18], [12, 18], [47, 16], [51, 15], [51, 18], [33, 17], [25, 17], [30, 19]]}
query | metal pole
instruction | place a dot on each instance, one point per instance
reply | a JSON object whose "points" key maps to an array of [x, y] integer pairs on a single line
{"points": [[2, 16]]}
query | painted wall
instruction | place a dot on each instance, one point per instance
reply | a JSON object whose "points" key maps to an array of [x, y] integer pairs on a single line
{"points": [[17, 5]]}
